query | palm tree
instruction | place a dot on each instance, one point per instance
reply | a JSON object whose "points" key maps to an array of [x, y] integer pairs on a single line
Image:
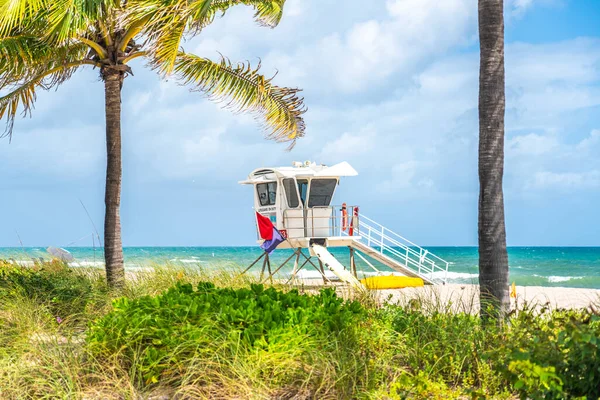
{"points": [[44, 42], [493, 259]]}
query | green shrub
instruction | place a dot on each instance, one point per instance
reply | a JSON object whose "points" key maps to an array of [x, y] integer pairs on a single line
{"points": [[159, 334], [444, 345], [63, 290], [535, 382], [552, 354], [420, 386], [564, 343]]}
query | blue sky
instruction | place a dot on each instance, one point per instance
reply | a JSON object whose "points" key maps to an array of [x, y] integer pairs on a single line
{"points": [[391, 88]]}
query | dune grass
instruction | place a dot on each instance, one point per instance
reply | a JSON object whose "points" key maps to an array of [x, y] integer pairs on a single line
{"points": [[170, 334]]}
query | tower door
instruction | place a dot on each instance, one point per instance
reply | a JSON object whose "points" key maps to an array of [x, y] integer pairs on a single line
{"points": [[293, 216], [319, 213]]}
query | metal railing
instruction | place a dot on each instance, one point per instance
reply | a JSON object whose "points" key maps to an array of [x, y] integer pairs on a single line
{"points": [[402, 250], [328, 222], [320, 222]]}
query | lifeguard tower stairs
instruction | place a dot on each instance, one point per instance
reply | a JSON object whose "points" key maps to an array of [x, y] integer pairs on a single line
{"points": [[396, 252]]}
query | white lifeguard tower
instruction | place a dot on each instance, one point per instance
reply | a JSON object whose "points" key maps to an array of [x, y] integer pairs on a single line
{"points": [[298, 201]]}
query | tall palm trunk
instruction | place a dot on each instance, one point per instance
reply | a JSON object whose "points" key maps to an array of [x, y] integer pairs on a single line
{"points": [[493, 259], [113, 249]]}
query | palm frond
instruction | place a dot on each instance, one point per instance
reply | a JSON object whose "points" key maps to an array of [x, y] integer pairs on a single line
{"points": [[134, 28], [23, 93], [242, 89], [98, 49], [14, 12], [134, 55], [17, 52], [163, 24], [70, 18], [167, 22], [23, 55], [268, 12], [55, 21], [166, 46]]}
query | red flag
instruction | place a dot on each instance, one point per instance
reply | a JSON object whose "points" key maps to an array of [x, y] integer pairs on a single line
{"points": [[265, 227]]}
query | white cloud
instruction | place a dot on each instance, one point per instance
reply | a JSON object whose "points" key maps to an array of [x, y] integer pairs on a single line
{"points": [[66, 153], [590, 142], [406, 177], [530, 145], [402, 176], [229, 46], [372, 50], [519, 7], [539, 162], [566, 180], [449, 77], [191, 156], [138, 101], [294, 8], [347, 146], [571, 61]]}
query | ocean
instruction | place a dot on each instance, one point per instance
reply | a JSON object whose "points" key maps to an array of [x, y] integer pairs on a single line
{"points": [[529, 266]]}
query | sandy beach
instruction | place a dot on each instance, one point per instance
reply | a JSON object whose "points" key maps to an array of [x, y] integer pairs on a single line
{"points": [[466, 297]]}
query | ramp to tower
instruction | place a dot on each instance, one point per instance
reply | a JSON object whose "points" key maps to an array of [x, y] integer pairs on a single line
{"points": [[398, 253], [335, 266]]}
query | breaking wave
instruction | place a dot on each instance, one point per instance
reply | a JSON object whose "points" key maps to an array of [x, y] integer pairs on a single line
{"points": [[86, 264], [555, 279], [193, 260], [455, 276]]}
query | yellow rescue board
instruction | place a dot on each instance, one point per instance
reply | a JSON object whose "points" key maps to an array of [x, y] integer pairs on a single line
{"points": [[391, 282]]}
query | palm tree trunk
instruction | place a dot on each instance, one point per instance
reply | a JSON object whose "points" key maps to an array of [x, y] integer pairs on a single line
{"points": [[493, 259], [113, 248]]}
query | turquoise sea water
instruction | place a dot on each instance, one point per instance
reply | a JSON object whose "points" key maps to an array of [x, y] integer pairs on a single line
{"points": [[529, 266]]}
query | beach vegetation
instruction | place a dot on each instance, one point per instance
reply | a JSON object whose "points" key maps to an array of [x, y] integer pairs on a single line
{"points": [[187, 333], [553, 352], [62, 290], [159, 333], [44, 43]]}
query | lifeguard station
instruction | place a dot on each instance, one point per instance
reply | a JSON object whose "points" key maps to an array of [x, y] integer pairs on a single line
{"points": [[299, 202]]}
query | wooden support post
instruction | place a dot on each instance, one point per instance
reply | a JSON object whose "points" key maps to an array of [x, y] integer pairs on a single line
{"points": [[269, 267], [313, 264], [352, 262], [296, 261], [322, 271], [308, 260], [262, 272], [286, 261], [298, 270], [252, 265]]}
